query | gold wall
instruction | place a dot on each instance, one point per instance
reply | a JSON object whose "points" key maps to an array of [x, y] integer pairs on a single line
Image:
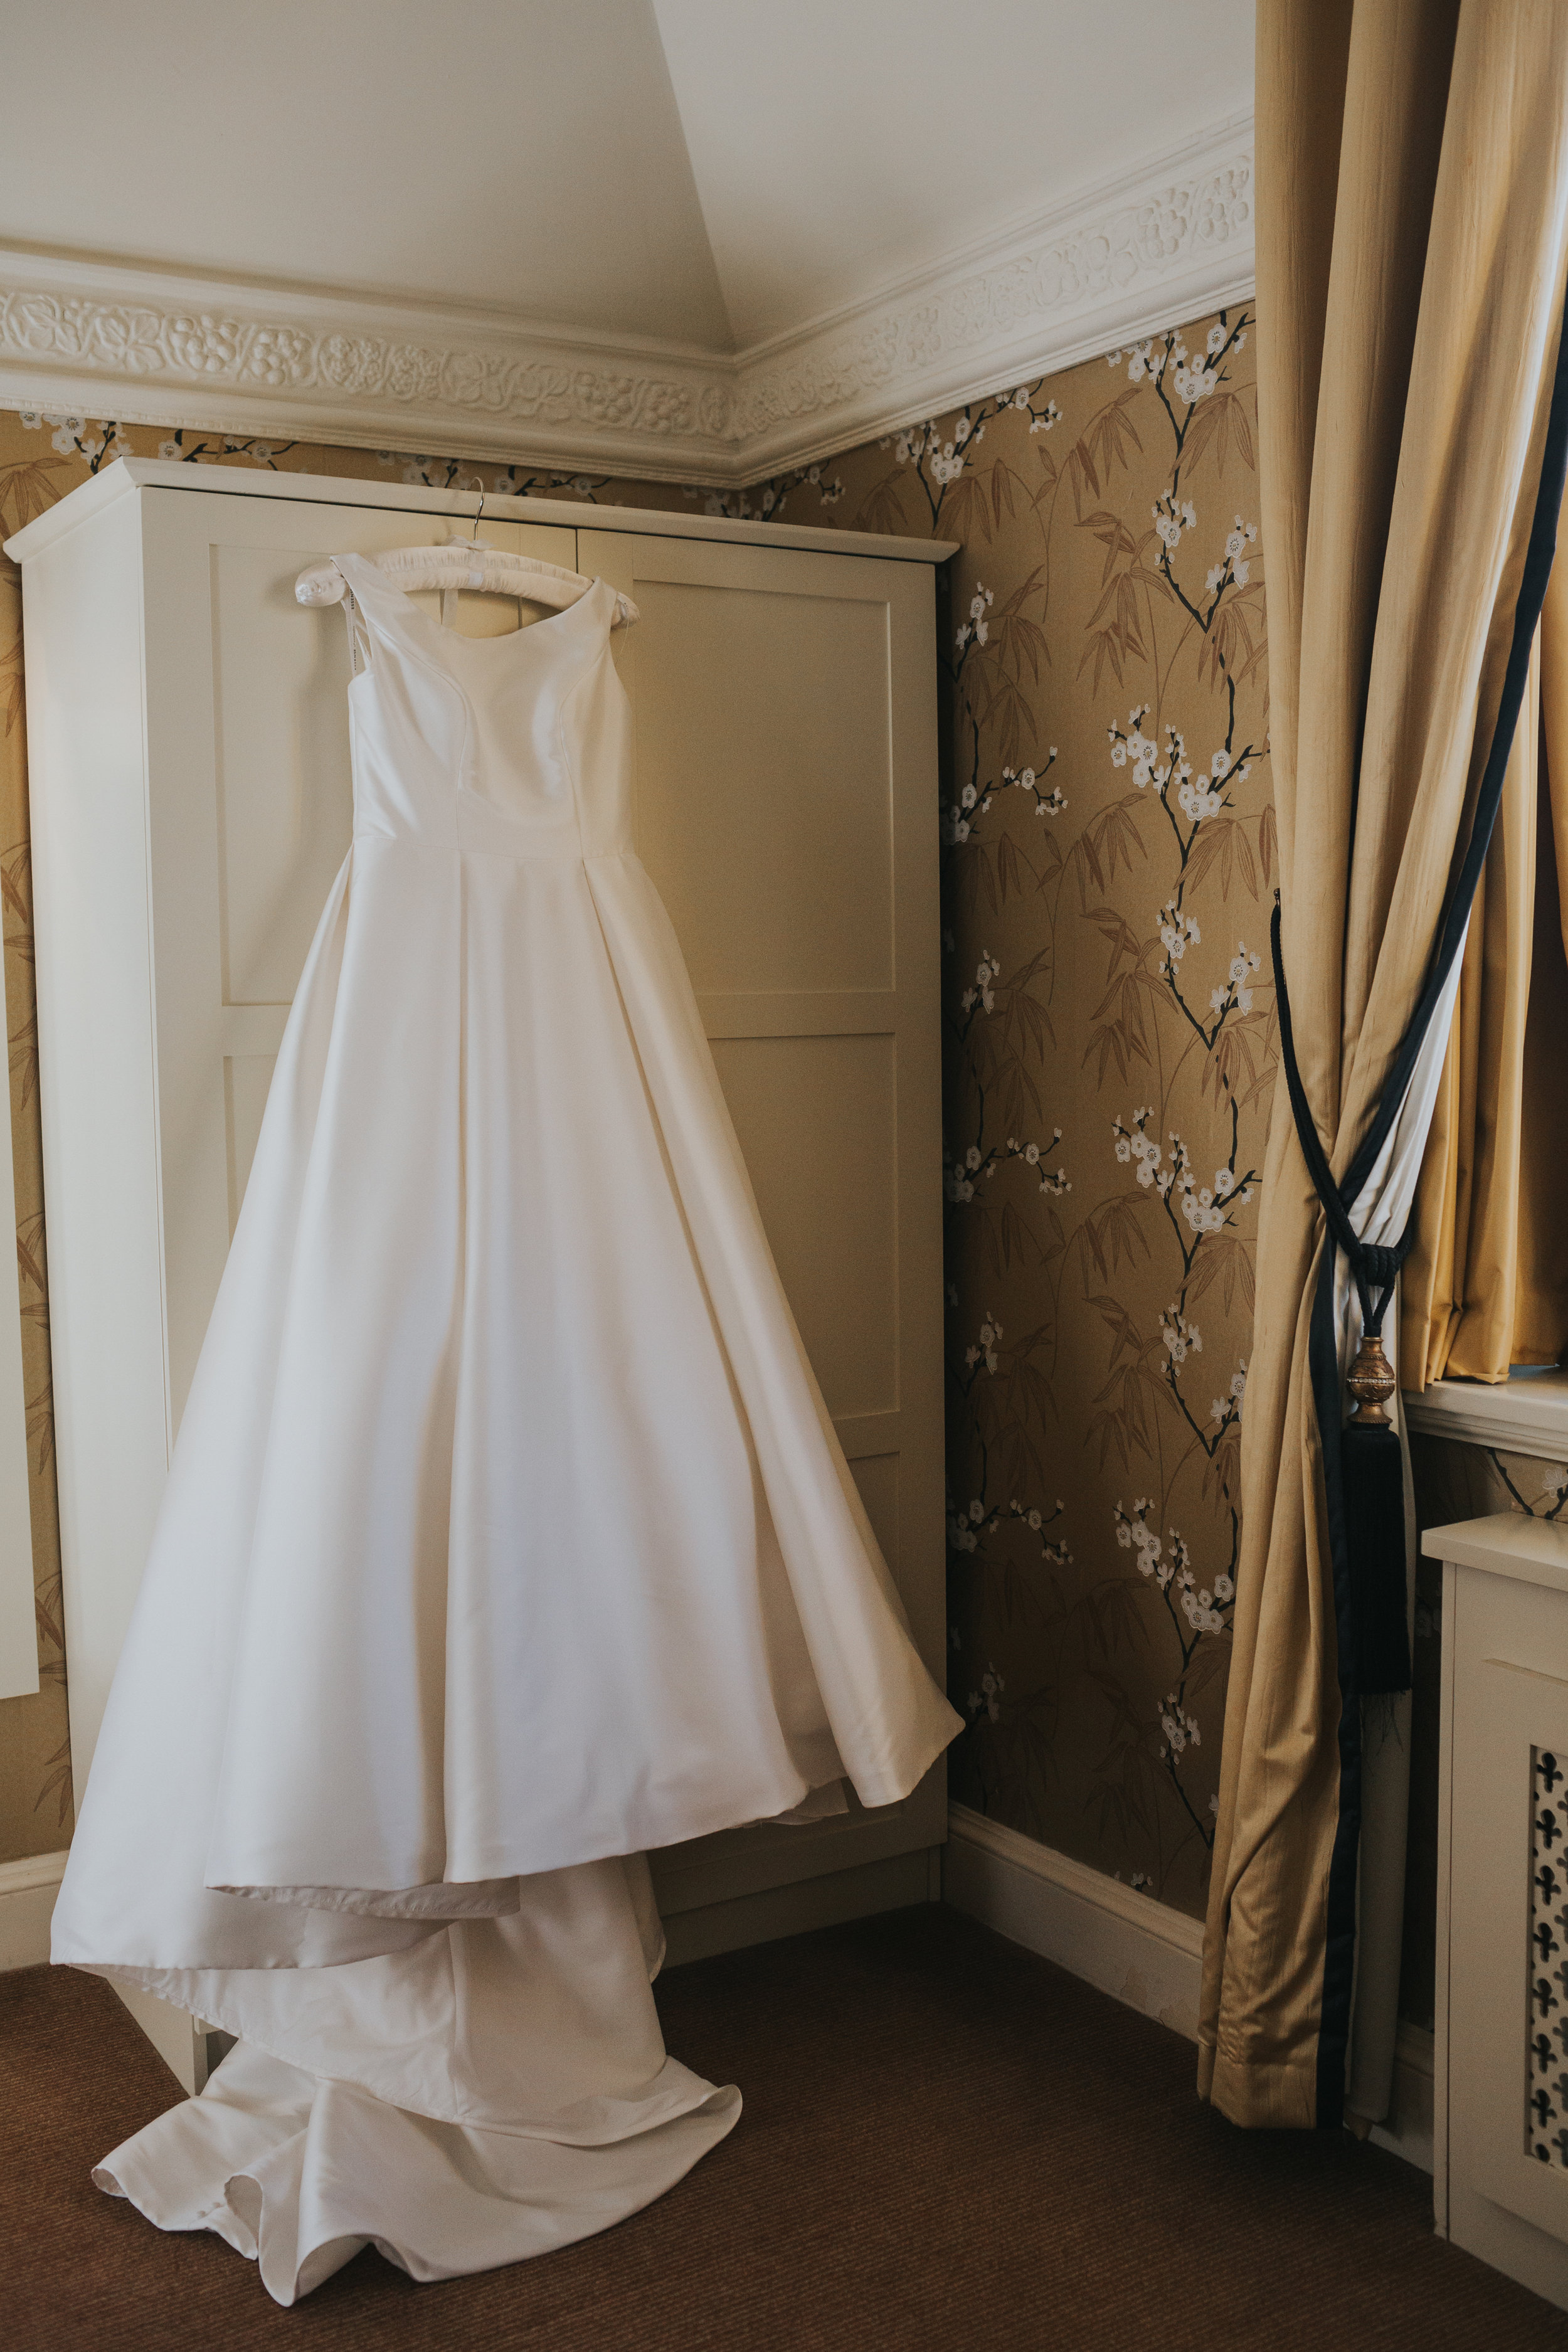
{"points": [[1109, 1048], [1110, 1051]]}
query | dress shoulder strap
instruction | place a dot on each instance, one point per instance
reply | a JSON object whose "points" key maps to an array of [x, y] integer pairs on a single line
{"points": [[365, 595]]}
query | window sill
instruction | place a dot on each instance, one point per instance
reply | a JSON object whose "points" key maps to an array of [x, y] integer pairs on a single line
{"points": [[1527, 1414]]}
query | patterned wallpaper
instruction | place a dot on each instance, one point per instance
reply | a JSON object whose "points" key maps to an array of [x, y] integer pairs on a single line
{"points": [[1109, 1059], [1109, 1052], [1110, 1045]]}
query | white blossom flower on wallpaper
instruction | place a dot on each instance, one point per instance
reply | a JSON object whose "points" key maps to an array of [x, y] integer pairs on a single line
{"points": [[74, 436], [809, 487]]}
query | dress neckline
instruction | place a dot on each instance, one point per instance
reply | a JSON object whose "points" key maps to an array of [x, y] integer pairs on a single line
{"points": [[443, 636]]}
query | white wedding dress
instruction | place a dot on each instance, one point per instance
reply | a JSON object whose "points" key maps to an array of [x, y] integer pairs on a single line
{"points": [[506, 1535]]}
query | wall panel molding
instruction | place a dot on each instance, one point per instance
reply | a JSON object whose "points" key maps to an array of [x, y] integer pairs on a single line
{"points": [[156, 347]]}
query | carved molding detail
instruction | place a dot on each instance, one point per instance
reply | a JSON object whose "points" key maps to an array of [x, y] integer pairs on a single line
{"points": [[1076, 289], [142, 343], [155, 348]]}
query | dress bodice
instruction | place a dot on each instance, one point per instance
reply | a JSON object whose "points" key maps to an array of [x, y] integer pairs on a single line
{"points": [[516, 746]]}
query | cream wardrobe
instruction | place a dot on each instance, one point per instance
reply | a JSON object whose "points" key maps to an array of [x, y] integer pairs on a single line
{"points": [[189, 761]]}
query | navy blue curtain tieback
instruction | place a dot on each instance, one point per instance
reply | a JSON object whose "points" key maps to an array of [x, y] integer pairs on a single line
{"points": [[1371, 1463], [1363, 1470]]}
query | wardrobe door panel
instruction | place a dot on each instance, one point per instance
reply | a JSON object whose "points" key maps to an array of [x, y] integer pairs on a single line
{"points": [[247, 1079], [817, 1120], [770, 836], [785, 808], [277, 721]]}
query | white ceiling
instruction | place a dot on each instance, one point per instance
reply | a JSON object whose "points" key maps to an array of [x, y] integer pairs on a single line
{"points": [[840, 145], [709, 173], [521, 154]]}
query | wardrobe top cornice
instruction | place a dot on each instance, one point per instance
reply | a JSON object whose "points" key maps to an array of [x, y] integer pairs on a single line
{"points": [[129, 474]]}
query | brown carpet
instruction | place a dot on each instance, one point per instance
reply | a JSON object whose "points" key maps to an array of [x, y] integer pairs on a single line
{"points": [[947, 2143]]}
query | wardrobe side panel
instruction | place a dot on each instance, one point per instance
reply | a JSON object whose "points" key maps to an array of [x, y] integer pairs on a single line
{"points": [[86, 746], [917, 943], [785, 808]]}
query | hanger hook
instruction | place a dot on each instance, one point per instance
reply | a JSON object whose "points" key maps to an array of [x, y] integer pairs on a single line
{"points": [[481, 516]]}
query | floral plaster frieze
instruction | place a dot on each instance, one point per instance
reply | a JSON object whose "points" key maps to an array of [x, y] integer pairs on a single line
{"points": [[233, 372], [1048, 304]]}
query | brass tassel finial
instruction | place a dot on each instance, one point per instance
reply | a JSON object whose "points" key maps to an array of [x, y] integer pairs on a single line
{"points": [[1371, 1381]]}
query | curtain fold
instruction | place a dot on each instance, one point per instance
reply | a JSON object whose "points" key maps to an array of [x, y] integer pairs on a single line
{"points": [[1486, 1286], [1410, 302]]}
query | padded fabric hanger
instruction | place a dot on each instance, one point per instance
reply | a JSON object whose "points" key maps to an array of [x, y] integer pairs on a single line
{"points": [[464, 563]]}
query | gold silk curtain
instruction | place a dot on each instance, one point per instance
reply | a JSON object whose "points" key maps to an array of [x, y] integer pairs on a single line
{"points": [[1412, 216], [1486, 1286]]}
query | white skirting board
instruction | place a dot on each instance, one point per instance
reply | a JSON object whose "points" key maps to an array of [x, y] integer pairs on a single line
{"points": [[1138, 1950], [1125, 1943], [27, 1892]]}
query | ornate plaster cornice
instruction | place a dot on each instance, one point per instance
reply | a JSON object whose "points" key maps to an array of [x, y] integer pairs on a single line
{"points": [[293, 363], [1119, 261]]}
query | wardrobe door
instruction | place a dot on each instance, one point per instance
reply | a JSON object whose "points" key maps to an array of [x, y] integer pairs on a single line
{"points": [[785, 808], [250, 818]]}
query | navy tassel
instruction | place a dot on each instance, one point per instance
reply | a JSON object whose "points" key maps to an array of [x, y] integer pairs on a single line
{"points": [[1372, 1474], [1372, 1468]]}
